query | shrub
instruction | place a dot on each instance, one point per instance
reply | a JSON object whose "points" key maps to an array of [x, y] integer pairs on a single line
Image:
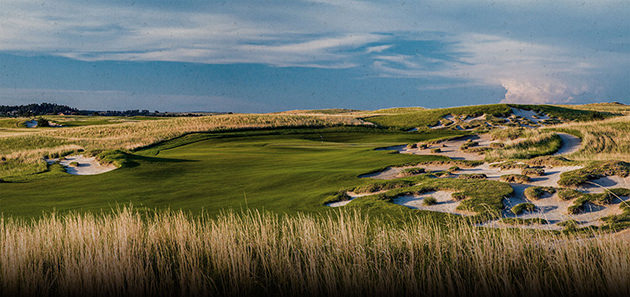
{"points": [[497, 145], [429, 201], [41, 122], [411, 171], [520, 208], [508, 165], [436, 150], [454, 168], [412, 146], [336, 197], [472, 176], [533, 171], [468, 144], [423, 146], [578, 205], [535, 193], [459, 196], [594, 171], [569, 194], [380, 186], [74, 164], [520, 221], [569, 224], [515, 178]]}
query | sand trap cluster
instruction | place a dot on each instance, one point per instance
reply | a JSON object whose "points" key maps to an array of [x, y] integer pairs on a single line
{"points": [[451, 148], [81, 165], [549, 207], [519, 118], [444, 202]]}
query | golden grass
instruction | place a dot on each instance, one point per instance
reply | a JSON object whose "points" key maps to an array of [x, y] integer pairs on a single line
{"points": [[602, 140], [169, 254]]}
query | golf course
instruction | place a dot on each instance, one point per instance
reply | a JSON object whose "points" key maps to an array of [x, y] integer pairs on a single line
{"points": [[227, 204]]}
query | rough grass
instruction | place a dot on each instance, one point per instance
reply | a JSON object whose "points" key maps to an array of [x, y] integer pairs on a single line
{"points": [[602, 140], [536, 144], [535, 193], [515, 178], [254, 254], [525, 222], [593, 171], [522, 207]]}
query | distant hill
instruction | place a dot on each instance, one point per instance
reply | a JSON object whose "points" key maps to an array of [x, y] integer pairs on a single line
{"points": [[31, 110], [36, 109]]}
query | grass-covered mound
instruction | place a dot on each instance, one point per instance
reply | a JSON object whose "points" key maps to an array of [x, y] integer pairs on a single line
{"points": [[535, 193], [594, 171], [408, 118], [523, 207], [476, 195]]}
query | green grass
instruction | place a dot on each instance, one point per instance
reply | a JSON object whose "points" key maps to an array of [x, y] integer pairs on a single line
{"points": [[535, 193], [284, 170], [526, 222], [411, 118], [515, 178], [522, 207], [407, 118], [593, 171]]}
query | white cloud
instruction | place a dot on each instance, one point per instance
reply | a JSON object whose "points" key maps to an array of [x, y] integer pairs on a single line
{"points": [[536, 58]]}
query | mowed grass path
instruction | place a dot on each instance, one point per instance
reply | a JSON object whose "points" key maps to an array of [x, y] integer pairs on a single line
{"points": [[277, 170]]}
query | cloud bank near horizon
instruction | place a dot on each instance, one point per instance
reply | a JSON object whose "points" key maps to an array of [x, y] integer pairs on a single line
{"points": [[535, 51]]}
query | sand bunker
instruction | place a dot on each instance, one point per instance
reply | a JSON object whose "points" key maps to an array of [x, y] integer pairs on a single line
{"points": [[448, 148], [530, 115], [352, 197], [445, 202], [570, 144], [81, 165]]}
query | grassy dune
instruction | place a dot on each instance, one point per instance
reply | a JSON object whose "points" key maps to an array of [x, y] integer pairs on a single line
{"points": [[603, 140], [345, 254]]}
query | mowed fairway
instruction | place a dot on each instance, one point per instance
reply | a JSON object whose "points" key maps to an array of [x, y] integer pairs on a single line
{"points": [[277, 170]]}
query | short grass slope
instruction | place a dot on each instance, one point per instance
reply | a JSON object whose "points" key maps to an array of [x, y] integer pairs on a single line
{"points": [[284, 170]]}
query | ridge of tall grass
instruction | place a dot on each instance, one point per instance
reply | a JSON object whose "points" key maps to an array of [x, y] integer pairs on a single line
{"points": [[255, 253]]}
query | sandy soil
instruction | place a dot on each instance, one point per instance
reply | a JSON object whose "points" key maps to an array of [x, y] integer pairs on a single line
{"points": [[445, 203], [449, 148], [87, 165], [530, 115], [570, 144], [551, 208], [352, 197]]}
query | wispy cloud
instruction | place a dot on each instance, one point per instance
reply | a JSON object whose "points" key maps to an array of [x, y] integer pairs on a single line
{"points": [[539, 52]]}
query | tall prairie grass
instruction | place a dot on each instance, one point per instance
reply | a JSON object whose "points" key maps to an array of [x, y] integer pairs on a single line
{"points": [[345, 253], [602, 140]]}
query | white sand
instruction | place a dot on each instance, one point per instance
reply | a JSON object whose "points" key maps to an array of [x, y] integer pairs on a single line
{"points": [[352, 197], [570, 144], [87, 165], [530, 115], [445, 202]]}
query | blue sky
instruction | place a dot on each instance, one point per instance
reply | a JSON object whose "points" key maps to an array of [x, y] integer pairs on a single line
{"points": [[261, 56]]}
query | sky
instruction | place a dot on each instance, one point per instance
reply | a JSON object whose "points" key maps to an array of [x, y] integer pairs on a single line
{"points": [[269, 55]]}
